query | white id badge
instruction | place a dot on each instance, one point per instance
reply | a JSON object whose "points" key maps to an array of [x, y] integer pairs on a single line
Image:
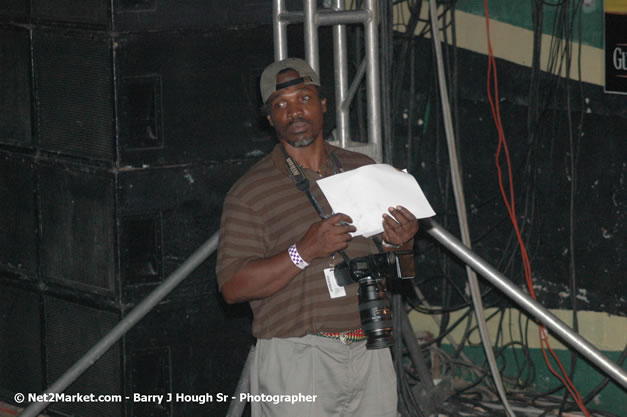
{"points": [[335, 291]]}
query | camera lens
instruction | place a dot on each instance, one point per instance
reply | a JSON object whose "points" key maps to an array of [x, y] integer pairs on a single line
{"points": [[375, 313]]}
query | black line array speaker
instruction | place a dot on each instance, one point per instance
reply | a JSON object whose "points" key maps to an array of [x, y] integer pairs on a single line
{"points": [[67, 341], [143, 15], [113, 236], [21, 342], [18, 221], [84, 245], [148, 98], [16, 86], [14, 10], [177, 348], [74, 78], [122, 126]]}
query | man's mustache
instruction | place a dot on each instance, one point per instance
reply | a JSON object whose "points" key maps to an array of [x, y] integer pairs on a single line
{"points": [[298, 120]]}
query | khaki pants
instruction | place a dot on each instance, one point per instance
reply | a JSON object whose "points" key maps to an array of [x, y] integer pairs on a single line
{"points": [[313, 376]]}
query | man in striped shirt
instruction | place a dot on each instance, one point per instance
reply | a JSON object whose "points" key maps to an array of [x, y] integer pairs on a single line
{"points": [[277, 251]]}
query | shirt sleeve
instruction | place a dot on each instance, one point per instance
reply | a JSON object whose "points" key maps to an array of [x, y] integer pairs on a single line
{"points": [[241, 238]]}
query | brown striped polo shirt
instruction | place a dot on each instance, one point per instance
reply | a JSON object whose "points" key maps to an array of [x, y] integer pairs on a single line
{"points": [[264, 214]]}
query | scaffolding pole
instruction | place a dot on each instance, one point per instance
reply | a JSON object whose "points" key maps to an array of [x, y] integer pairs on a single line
{"points": [[537, 310], [131, 319], [312, 18]]}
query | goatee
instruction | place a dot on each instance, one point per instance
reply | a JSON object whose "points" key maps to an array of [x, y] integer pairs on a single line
{"points": [[302, 143]]}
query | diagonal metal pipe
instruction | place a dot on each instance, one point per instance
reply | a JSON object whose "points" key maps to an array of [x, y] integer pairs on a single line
{"points": [[537, 310], [131, 319], [554, 324]]}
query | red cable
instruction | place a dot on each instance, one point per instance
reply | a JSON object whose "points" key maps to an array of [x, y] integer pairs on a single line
{"points": [[6, 410], [511, 209]]}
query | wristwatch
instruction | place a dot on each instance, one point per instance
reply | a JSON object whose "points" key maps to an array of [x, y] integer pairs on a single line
{"points": [[389, 245]]}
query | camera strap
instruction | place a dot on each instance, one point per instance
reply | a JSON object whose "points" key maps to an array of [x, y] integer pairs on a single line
{"points": [[302, 183]]}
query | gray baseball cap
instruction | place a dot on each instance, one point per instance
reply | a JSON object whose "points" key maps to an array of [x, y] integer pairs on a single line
{"points": [[268, 83]]}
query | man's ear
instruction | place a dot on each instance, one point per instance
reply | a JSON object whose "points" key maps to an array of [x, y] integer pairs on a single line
{"points": [[270, 120], [323, 103]]}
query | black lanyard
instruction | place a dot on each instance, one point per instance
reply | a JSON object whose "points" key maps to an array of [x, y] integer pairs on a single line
{"points": [[302, 183]]}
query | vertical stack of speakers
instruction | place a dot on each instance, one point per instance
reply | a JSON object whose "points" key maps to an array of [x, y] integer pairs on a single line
{"points": [[122, 125]]}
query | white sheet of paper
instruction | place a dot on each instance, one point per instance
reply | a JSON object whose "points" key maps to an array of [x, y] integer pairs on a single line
{"points": [[367, 192]]}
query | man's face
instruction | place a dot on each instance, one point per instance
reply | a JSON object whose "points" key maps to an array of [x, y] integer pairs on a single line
{"points": [[296, 112]]}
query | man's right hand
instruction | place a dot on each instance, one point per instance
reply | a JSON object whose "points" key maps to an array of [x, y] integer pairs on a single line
{"points": [[326, 237]]}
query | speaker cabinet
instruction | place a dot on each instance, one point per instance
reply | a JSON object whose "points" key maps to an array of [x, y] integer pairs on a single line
{"points": [[144, 15], [186, 348], [18, 218], [74, 80], [122, 126], [71, 329], [78, 228], [20, 344], [173, 99], [106, 239], [16, 87], [116, 234], [14, 10]]}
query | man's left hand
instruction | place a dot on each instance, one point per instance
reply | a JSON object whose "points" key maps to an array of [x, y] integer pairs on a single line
{"points": [[399, 226]]}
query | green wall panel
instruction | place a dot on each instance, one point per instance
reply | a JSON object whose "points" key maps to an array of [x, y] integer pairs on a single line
{"points": [[519, 13]]}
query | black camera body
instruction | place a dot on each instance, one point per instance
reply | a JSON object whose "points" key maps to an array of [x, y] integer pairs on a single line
{"points": [[371, 273]]}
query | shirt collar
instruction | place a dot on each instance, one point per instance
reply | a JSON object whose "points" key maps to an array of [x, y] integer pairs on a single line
{"points": [[279, 159]]}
